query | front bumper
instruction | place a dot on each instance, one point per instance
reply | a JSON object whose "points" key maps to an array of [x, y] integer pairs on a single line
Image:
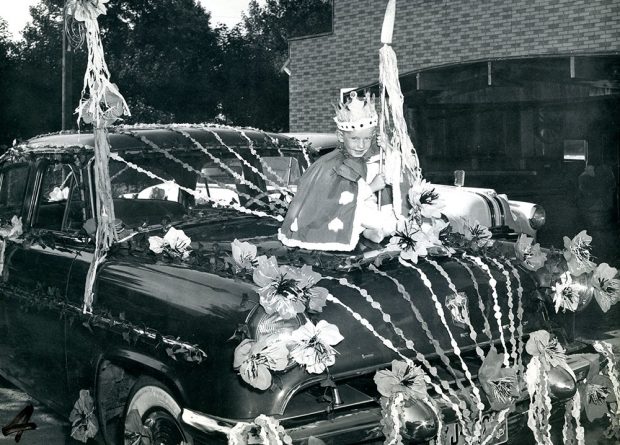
{"points": [[362, 424]]}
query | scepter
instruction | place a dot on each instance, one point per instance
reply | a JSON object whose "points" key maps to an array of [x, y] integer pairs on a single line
{"points": [[392, 103]]}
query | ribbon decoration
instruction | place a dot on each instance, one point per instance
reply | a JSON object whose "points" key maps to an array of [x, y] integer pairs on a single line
{"points": [[547, 353], [397, 148], [101, 104]]}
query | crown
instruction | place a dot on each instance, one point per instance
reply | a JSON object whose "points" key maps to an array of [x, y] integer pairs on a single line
{"points": [[356, 113]]}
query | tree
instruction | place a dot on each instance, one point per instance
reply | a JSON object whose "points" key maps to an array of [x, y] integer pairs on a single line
{"points": [[7, 68], [255, 89]]}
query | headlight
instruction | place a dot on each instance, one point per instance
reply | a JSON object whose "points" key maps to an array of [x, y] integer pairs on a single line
{"points": [[262, 325], [538, 218]]}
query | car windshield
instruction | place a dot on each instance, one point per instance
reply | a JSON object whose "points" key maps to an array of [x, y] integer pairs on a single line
{"points": [[164, 188]]}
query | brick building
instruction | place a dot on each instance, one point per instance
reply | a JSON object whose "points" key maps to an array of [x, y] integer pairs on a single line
{"points": [[491, 86]]}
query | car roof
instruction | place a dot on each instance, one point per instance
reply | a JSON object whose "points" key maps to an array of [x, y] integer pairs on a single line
{"points": [[171, 137]]}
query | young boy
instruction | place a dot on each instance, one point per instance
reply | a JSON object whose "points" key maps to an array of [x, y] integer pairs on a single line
{"points": [[335, 201]]}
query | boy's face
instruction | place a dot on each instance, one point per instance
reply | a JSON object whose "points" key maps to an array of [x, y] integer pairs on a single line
{"points": [[357, 142]]}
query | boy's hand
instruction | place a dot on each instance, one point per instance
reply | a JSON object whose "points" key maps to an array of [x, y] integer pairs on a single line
{"points": [[378, 183]]}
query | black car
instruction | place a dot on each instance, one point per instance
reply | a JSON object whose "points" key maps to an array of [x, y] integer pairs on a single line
{"points": [[160, 356]]}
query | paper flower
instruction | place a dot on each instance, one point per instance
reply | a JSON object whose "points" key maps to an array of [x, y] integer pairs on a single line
{"points": [[315, 296], [287, 290], [312, 345], [605, 286], [14, 230], [110, 107], [175, 243], [83, 420], [595, 394], [409, 240], [402, 378], [424, 200], [83, 10], [499, 384], [478, 235], [529, 254], [577, 254], [244, 254], [255, 359], [565, 295], [547, 349], [279, 291]]}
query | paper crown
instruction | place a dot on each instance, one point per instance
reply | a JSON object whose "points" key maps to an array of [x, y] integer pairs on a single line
{"points": [[356, 113]]}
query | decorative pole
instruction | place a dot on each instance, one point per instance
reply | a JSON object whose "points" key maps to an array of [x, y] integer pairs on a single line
{"points": [[397, 151], [101, 104]]}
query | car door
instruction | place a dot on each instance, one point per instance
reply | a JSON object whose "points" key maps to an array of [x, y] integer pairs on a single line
{"points": [[38, 274]]}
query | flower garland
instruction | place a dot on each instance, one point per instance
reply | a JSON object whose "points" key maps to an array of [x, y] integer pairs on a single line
{"points": [[496, 308], [520, 312], [264, 430], [511, 317], [9, 232], [264, 164], [284, 292]]}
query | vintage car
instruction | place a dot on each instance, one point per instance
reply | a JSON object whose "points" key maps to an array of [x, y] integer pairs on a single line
{"points": [[158, 352]]}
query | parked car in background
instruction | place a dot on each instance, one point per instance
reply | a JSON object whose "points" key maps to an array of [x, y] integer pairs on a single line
{"points": [[160, 352]]}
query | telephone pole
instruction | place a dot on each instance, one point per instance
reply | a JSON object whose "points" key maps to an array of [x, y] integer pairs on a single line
{"points": [[67, 65]]}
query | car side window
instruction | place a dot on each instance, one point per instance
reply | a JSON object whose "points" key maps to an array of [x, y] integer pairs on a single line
{"points": [[13, 182], [60, 203]]}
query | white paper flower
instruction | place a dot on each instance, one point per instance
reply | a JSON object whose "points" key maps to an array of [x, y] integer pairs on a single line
{"points": [[577, 253], [531, 256], [479, 235], [156, 244], [425, 200], [312, 346], [565, 296], [255, 360], [244, 254], [606, 286]]}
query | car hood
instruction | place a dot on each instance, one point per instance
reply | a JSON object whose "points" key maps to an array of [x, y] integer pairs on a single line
{"points": [[397, 304]]}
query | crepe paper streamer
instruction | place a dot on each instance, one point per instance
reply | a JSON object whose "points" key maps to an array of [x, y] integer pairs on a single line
{"points": [[472, 332], [420, 318], [265, 165], [237, 207], [612, 372], [387, 343], [101, 104], [572, 411], [477, 425], [511, 316], [453, 343], [487, 326], [247, 164], [394, 408], [408, 343], [185, 165], [496, 308], [520, 342], [540, 401], [222, 165], [270, 432]]}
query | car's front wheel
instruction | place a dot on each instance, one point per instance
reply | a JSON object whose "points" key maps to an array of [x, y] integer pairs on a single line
{"points": [[152, 415]]}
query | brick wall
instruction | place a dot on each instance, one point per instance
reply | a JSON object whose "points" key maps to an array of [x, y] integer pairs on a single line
{"points": [[430, 33]]}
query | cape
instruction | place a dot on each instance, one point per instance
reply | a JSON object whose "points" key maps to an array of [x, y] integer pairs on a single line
{"points": [[324, 214]]}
